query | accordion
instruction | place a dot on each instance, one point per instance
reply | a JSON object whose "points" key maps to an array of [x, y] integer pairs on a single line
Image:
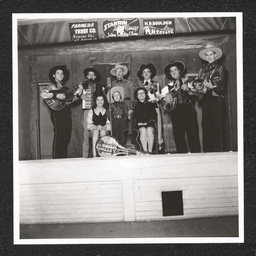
{"points": [[87, 102]]}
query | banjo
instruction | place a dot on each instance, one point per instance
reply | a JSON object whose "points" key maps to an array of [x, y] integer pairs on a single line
{"points": [[108, 146]]}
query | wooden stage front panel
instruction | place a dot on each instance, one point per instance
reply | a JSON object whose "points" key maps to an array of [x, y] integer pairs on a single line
{"points": [[127, 188]]}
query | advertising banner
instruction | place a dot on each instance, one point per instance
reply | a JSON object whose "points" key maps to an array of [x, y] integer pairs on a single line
{"points": [[121, 28], [84, 31], [158, 27]]}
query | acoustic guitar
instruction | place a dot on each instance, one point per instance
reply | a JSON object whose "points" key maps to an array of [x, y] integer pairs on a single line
{"points": [[170, 101], [56, 104], [130, 136]]}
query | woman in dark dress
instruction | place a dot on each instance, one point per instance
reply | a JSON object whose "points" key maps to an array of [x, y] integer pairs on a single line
{"points": [[145, 116]]}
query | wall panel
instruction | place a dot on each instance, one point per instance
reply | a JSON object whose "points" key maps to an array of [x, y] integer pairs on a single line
{"points": [[127, 188], [158, 51]]}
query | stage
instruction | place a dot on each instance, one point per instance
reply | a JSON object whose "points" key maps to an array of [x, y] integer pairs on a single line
{"points": [[128, 188], [225, 226]]}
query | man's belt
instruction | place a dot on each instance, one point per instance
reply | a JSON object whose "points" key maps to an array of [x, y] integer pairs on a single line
{"points": [[118, 116]]}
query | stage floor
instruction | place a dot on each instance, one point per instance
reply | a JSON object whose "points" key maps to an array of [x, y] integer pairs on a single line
{"points": [[199, 227]]}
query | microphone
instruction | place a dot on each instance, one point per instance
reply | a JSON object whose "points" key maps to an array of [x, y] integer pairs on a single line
{"points": [[109, 82]]}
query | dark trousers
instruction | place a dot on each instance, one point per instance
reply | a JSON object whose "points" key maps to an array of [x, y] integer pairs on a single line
{"points": [[62, 125], [184, 122], [213, 123], [118, 126]]}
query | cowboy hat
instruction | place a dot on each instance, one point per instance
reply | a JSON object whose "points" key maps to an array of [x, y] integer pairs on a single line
{"points": [[97, 74], [119, 89], [210, 48], [180, 65], [117, 66], [150, 66], [59, 67]]}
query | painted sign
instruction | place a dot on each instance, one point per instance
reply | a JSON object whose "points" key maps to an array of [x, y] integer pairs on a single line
{"points": [[84, 31], [121, 28], [108, 146], [159, 27]]}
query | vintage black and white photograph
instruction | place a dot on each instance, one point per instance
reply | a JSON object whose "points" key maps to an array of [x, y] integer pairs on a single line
{"points": [[128, 128]]}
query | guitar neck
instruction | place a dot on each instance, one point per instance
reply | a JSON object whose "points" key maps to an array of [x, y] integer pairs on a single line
{"points": [[130, 124], [66, 90]]}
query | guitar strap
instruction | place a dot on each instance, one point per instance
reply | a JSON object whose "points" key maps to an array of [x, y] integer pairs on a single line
{"points": [[217, 66], [213, 92]]}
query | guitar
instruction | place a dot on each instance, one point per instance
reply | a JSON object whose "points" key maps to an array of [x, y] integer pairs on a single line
{"points": [[170, 100], [131, 137], [57, 104], [197, 85]]}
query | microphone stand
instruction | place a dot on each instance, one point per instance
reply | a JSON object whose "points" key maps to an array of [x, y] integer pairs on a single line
{"points": [[109, 108]]}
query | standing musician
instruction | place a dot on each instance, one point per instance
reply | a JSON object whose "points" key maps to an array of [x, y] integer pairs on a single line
{"points": [[145, 116], [119, 71], [88, 89], [182, 116], [62, 123], [146, 74], [213, 76]]}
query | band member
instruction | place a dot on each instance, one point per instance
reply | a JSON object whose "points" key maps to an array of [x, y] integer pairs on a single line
{"points": [[119, 113], [119, 71], [146, 75], [97, 120], [62, 123], [183, 115], [88, 89], [145, 116], [213, 76]]}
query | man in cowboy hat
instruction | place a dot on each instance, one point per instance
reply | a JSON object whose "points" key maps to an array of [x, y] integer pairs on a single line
{"points": [[146, 74], [213, 76], [88, 90], [119, 71], [61, 119], [183, 115]]}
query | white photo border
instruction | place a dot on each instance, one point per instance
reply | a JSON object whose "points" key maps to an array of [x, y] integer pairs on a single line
{"points": [[18, 17]]}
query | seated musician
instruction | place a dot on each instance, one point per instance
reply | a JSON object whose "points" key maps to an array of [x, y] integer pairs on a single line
{"points": [[119, 111], [97, 120], [61, 119], [145, 115], [183, 115]]}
